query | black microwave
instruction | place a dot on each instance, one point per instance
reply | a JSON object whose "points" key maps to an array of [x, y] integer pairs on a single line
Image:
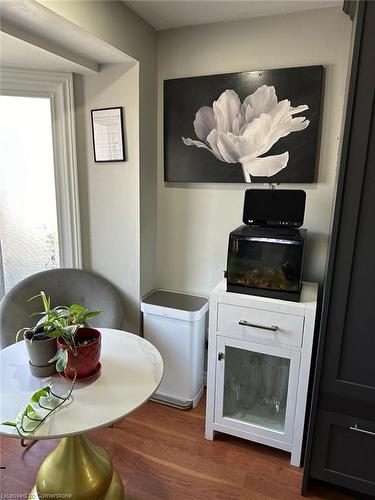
{"points": [[266, 261]]}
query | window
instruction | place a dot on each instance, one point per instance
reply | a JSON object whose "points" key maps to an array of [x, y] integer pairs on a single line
{"points": [[39, 217], [28, 216]]}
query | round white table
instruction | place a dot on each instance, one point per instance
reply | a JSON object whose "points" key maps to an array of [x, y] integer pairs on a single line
{"points": [[132, 370]]}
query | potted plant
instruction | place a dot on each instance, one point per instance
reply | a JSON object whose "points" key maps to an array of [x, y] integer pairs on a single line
{"points": [[78, 345], [77, 356], [79, 352], [40, 346]]}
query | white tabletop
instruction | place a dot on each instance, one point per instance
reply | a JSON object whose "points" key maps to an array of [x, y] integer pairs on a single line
{"points": [[132, 369]]}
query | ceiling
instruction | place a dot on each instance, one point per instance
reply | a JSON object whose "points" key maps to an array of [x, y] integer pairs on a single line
{"points": [[177, 13]]}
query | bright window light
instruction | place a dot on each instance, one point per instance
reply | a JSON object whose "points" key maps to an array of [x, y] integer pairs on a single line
{"points": [[28, 216]]}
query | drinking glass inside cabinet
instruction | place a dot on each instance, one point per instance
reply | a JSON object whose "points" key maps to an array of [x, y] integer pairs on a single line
{"points": [[255, 388]]}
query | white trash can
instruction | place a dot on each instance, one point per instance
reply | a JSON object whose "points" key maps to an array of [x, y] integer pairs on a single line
{"points": [[175, 324]]}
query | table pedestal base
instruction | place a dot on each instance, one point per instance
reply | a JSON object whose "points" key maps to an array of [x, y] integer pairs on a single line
{"points": [[77, 470]]}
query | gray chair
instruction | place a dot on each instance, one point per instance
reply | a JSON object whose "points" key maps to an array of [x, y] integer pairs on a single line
{"points": [[65, 287]]}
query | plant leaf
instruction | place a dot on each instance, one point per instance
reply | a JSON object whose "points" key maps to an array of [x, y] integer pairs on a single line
{"points": [[57, 356], [61, 312], [62, 362], [53, 333], [37, 395], [61, 358], [21, 331], [46, 301], [70, 330], [33, 297], [29, 409], [38, 313], [91, 314], [78, 318], [76, 309]]}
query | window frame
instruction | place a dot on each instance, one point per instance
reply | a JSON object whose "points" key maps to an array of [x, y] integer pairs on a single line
{"points": [[58, 87]]}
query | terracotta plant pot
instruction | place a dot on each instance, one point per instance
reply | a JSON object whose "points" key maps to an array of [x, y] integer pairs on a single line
{"points": [[87, 359], [40, 352]]}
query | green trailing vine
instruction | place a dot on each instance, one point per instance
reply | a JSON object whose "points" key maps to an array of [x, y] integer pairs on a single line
{"points": [[31, 413], [36, 412], [61, 321]]}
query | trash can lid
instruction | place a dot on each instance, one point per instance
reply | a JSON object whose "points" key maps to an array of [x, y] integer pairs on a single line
{"points": [[174, 304]]}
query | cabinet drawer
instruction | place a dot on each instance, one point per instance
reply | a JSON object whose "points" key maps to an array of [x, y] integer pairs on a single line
{"points": [[344, 451], [257, 325]]}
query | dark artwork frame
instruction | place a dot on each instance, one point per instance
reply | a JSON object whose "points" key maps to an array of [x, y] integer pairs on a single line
{"points": [[183, 97], [121, 117]]}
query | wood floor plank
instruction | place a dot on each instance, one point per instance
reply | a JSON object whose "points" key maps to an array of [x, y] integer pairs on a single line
{"points": [[161, 454], [193, 455]]}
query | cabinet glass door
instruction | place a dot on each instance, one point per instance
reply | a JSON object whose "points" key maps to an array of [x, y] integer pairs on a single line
{"points": [[257, 387]]}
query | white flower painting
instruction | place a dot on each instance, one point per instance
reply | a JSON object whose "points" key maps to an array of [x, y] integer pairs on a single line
{"points": [[249, 127], [245, 132]]}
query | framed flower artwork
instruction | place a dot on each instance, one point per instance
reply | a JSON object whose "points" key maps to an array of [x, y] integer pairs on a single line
{"points": [[255, 126]]}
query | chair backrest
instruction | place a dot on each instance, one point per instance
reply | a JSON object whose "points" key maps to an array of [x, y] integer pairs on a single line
{"points": [[65, 287]]}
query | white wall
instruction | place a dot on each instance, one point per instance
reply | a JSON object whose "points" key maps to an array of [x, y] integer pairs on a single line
{"points": [[109, 192], [118, 201], [194, 220]]}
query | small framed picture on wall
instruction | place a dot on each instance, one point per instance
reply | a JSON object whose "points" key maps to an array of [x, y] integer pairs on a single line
{"points": [[108, 134]]}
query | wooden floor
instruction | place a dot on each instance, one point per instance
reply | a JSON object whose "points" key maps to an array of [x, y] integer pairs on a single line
{"points": [[161, 453]]}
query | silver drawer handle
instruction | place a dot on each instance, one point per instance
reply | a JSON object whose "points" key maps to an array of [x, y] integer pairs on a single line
{"points": [[356, 428], [273, 328]]}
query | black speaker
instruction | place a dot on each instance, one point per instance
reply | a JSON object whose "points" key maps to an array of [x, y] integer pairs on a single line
{"points": [[274, 207]]}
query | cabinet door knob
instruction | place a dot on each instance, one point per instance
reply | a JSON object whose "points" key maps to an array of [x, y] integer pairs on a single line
{"points": [[272, 328], [358, 429]]}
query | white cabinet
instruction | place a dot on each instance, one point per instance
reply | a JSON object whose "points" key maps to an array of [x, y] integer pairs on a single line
{"points": [[258, 367]]}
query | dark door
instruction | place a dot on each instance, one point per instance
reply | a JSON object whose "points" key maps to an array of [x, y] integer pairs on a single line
{"points": [[348, 377], [341, 437]]}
